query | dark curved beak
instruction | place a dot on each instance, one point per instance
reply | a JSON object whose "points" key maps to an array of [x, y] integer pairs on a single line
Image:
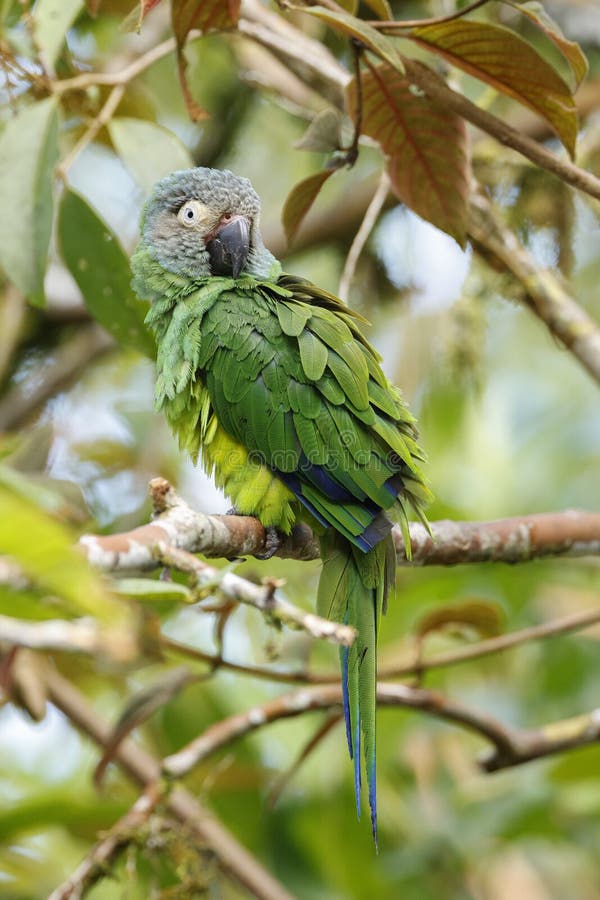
{"points": [[228, 250]]}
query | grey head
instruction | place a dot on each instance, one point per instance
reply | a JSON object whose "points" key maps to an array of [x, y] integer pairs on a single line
{"points": [[202, 222]]}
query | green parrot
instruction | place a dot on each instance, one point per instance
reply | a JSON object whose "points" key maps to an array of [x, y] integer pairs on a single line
{"points": [[268, 380]]}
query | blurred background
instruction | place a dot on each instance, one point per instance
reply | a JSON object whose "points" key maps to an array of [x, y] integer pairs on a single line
{"points": [[510, 423]]}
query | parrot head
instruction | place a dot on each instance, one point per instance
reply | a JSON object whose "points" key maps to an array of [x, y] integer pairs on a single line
{"points": [[203, 222]]}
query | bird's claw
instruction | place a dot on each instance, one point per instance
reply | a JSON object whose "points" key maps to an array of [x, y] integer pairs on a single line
{"points": [[272, 543]]}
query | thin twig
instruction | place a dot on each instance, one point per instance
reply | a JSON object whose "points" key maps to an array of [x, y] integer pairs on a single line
{"points": [[263, 597], [565, 625], [548, 740], [362, 235], [24, 397], [386, 25], [78, 636], [543, 290], [511, 746], [104, 854], [98, 122], [325, 697], [122, 77], [145, 770]]}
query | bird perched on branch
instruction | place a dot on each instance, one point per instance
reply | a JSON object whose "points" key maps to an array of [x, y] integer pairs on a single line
{"points": [[268, 379]]}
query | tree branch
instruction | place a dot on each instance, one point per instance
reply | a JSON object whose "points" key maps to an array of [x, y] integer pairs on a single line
{"points": [[438, 91], [548, 740], [544, 292], [78, 636], [104, 854], [262, 597], [325, 697], [512, 747], [145, 770], [24, 397], [361, 237], [520, 539]]}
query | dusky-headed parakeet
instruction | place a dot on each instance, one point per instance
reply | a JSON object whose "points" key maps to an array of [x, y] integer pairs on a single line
{"points": [[267, 379]]}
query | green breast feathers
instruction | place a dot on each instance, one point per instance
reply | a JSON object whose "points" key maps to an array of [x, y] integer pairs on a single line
{"points": [[259, 377]]}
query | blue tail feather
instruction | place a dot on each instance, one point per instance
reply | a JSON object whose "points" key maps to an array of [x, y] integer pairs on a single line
{"points": [[345, 695], [372, 779]]}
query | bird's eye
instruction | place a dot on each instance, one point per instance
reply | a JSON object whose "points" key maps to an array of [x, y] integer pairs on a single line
{"points": [[192, 213]]}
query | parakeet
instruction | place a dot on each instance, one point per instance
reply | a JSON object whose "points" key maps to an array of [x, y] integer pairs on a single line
{"points": [[268, 379]]}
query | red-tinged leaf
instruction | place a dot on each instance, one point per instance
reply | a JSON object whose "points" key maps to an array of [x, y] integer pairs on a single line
{"points": [[299, 201], [362, 31], [571, 51], [425, 145], [133, 21], [204, 15], [195, 111], [501, 58]]}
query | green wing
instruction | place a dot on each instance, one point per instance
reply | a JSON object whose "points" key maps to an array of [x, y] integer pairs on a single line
{"points": [[290, 376]]}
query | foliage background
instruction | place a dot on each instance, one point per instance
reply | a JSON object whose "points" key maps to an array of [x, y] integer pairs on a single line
{"points": [[509, 420]]}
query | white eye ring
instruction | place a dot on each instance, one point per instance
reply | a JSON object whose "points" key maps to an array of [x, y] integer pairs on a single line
{"points": [[190, 213]]}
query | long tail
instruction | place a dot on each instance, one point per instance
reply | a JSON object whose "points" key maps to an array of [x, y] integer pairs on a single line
{"points": [[353, 588]]}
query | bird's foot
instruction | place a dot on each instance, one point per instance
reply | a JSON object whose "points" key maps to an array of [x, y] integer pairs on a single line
{"points": [[272, 537], [272, 543]]}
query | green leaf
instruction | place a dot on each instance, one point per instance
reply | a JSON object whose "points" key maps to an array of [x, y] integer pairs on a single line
{"points": [[28, 153], [501, 58], [362, 31], [150, 590], [571, 51], [381, 8], [44, 550], [323, 135], [100, 267], [52, 19], [425, 145], [148, 150], [33, 489], [299, 201]]}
